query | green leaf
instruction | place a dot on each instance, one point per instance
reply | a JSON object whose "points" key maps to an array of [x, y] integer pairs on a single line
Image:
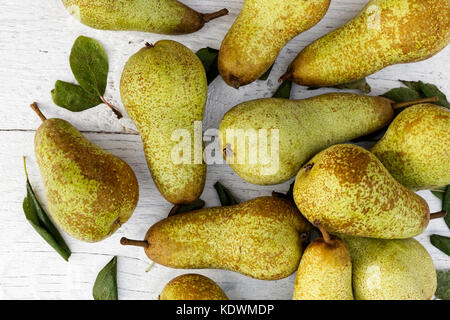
{"points": [[37, 217], [225, 196], [209, 57], [89, 64], [284, 90], [266, 74], [402, 94], [430, 90], [439, 193], [360, 85], [443, 284], [441, 242], [73, 97], [446, 206], [197, 204], [105, 287]]}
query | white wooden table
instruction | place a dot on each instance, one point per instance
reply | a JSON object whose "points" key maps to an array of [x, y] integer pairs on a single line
{"points": [[36, 38]]}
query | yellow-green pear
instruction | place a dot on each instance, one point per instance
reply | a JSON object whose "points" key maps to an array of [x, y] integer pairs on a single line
{"points": [[348, 189], [163, 88], [89, 192], [386, 32], [261, 238], [391, 269], [192, 287], [259, 33], [157, 16], [325, 270], [416, 147]]}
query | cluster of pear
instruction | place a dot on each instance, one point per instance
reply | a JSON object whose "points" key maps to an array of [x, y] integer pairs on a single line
{"points": [[364, 199]]}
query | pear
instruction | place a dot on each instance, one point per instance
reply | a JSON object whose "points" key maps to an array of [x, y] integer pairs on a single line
{"points": [[192, 287], [157, 16], [90, 193], [348, 189], [261, 238], [386, 32], [164, 89], [416, 147], [325, 270], [260, 32], [391, 269]]}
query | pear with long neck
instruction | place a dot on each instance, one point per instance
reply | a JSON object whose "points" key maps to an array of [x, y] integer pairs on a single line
{"points": [[261, 238], [386, 32], [89, 192], [156, 16]]}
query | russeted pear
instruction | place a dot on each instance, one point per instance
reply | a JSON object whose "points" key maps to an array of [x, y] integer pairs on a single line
{"points": [[157, 16], [90, 193], [391, 269], [192, 287], [260, 32], [348, 189], [164, 91], [416, 147], [325, 270], [386, 32], [261, 238]]}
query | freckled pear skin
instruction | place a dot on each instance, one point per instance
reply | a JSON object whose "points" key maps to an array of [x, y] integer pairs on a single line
{"points": [[260, 32], [90, 193], [192, 287], [261, 238], [391, 269], [305, 128], [164, 89], [416, 147], [348, 189], [157, 16], [386, 32]]}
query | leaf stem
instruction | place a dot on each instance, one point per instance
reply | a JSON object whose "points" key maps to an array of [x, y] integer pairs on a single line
{"points": [[138, 243], [35, 107], [400, 105], [207, 17], [116, 112], [25, 166]]}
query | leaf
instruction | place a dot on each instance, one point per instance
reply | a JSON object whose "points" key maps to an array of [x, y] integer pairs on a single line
{"points": [[441, 242], [439, 193], [430, 90], [89, 64], [446, 206], [284, 90], [402, 94], [73, 97], [105, 286], [266, 74], [209, 57], [360, 85], [197, 204], [37, 217], [443, 284], [225, 196]]}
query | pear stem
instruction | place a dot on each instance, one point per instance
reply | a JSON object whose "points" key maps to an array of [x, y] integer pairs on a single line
{"points": [[285, 76], [35, 107], [326, 237], [136, 243], [207, 17], [400, 105], [437, 215], [174, 210], [116, 112]]}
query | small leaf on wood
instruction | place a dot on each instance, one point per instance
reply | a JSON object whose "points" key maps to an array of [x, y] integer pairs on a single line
{"points": [[225, 196], [284, 90], [105, 287], [266, 74], [73, 97], [441, 242], [209, 58], [360, 85], [443, 284]]}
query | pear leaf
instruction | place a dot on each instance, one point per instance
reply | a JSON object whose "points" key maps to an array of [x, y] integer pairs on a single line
{"points": [[284, 90], [105, 286], [73, 97], [209, 58], [266, 74], [443, 284], [441, 242], [360, 85], [439, 193], [446, 206], [430, 90], [225, 196], [197, 204], [402, 95], [37, 217]]}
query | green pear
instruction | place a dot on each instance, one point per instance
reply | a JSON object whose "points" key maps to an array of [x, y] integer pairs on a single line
{"points": [[325, 270], [296, 130], [157, 16], [386, 32], [259, 33], [348, 189], [261, 238], [164, 91], [192, 287], [391, 269], [90, 193], [416, 147]]}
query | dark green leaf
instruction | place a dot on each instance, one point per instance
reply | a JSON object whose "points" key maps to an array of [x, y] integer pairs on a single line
{"points": [[73, 97], [414, 85], [209, 57], [89, 64], [284, 90], [225, 196], [430, 90], [266, 74], [446, 206], [197, 204], [439, 193], [443, 284], [402, 94], [37, 217], [441, 242], [105, 287], [360, 85]]}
